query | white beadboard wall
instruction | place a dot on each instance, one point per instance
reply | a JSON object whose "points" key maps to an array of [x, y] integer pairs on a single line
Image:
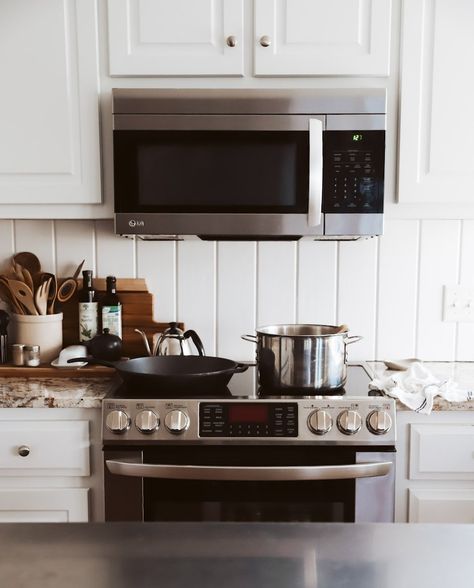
{"points": [[389, 289]]}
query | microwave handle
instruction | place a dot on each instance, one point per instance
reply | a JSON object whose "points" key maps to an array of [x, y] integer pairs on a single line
{"points": [[315, 172], [251, 473]]}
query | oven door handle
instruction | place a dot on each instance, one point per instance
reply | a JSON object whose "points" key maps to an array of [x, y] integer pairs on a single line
{"points": [[315, 172], [249, 474]]}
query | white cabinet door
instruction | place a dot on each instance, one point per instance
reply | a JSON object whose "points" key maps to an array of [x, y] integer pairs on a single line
{"points": [[49, 105], [441, 506], [178, 37], [44, 505], [317, 37], [436, 162]]}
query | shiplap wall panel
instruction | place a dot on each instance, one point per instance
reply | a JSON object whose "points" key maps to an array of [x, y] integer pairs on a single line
{"points": [[6, 242], [397, 292], [439, 263], [357, 294], [276, 283], [156, 261], [115, 254], [236, 304], [74, 242], [196, 289], [37, 236], [317, 282], [465, 335]]}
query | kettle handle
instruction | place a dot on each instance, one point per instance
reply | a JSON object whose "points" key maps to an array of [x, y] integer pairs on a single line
{"points": [[196, 339]]}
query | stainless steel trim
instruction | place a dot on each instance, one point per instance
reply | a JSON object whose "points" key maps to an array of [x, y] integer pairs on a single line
{"points": [[212, 122], [356, 122], [315, 172], [250, 474], [353, 224], [375, 497]]}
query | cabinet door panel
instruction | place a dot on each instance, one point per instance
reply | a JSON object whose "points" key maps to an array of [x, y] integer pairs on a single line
{"points": [[49, 144], [183, 37], [44, 505], [436, 126], [441, 506], [309, 37]]}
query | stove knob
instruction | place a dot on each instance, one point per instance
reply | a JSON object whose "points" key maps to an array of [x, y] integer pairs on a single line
{"points": [[349, 422], [319, 422], [147, 422], [117, 421], [379, 422], [176, 422]]}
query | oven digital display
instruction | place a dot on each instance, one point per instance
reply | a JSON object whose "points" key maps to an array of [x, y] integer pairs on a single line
{"points": [[248, 413]]}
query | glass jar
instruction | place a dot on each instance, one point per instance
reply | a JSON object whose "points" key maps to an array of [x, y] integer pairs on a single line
{"points": [[31, 355]]}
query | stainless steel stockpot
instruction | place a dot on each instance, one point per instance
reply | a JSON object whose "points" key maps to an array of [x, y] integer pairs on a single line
{"points": [[302, 358]]}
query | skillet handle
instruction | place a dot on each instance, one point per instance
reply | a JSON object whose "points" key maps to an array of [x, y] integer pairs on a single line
{"points": [[92, 361], [249, 338], [240, 367]]}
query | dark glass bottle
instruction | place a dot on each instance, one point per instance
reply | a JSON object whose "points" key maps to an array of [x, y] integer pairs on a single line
{"points": [[88, 308], [111, 308]]}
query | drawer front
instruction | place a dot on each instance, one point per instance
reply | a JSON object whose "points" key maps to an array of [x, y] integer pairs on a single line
{"points": [[44, 448], [442, 452], [441, 506], [44, 505]]}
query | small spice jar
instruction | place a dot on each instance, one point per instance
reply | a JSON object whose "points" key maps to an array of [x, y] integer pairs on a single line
{"points": [[31, 354], [17, 354]]}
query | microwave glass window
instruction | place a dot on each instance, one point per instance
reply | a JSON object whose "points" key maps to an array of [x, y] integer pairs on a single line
{"points": [[212, 171]]}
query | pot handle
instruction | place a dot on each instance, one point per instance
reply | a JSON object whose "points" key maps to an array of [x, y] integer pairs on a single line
{"points": [[240, 367], [249, 338], [353, 339]]}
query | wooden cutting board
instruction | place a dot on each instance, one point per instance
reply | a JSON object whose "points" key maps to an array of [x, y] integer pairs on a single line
{"points": [[137, 313]]}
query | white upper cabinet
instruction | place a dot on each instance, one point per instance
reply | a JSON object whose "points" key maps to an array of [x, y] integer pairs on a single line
{"points": [[436, 158], [49, 106], [175, 37], [317, 37]]}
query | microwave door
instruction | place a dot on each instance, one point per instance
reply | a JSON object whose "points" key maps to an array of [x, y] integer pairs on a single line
{"points": [[315, 196]]}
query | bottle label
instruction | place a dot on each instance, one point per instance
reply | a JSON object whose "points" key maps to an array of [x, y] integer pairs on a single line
{"points": [[88, 323], [112, 319]]}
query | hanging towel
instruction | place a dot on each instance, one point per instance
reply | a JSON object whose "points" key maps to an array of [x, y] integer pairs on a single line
{"points": [[417, 387]]}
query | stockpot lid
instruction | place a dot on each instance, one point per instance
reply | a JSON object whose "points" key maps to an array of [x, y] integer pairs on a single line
{"points": [[302, 330]]}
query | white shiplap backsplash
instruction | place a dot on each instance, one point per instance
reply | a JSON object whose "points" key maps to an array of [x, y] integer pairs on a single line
{"points": [[389, 289]]}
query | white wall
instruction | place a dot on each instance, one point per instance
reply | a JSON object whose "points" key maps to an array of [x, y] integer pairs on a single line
{"points": [[387, 289]]}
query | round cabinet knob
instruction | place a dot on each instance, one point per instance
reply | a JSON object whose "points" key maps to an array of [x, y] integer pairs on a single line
{"points": [[23, 451], [117, 421], [349, 422], [379, 422], [265, 41], [176, 421], [231, 41], [147, 422], [320, 422]]}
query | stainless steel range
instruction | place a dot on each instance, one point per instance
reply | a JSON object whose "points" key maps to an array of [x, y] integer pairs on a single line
{"points": [[242, 455]]}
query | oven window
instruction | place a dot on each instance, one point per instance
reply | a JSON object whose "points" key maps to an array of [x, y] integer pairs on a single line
{"points": [[211, 171], [302, 501]]}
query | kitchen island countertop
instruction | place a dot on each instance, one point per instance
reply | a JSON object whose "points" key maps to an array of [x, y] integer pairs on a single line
{"points": [[284, 555]]}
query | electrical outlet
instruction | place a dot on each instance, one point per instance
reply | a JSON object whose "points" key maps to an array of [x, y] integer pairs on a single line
{"points": [[458, 304]]}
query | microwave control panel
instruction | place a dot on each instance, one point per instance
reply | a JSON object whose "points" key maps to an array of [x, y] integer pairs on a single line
{"points": [[353, 171]]}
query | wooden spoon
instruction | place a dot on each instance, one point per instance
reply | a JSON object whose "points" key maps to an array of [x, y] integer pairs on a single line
{"points": [[23, 294], [66, 290], [7, 296], [29, 261], [53, 290], [342, 329]]}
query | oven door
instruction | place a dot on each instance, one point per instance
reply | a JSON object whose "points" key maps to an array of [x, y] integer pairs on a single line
{"points": [[218, 175], [222, 483]]}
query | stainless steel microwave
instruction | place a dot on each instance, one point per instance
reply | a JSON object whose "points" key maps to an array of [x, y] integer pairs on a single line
{"points": [[249, 164]]}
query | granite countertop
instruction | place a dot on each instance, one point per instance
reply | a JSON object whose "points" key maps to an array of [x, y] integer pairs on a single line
{"points": [[461, 372], [254, 555]]}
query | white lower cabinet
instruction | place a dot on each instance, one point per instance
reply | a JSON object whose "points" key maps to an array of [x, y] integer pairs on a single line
{"points": [[435, 467], [50, 465]]}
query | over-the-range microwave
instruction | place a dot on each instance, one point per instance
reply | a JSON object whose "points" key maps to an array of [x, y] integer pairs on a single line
{"points": [[249, 164]]}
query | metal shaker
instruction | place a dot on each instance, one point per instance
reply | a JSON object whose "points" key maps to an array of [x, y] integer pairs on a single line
{"points": [[4, 320]]}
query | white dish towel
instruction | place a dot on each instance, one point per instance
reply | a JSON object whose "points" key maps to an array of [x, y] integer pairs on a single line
{"points": [[417, 387]]}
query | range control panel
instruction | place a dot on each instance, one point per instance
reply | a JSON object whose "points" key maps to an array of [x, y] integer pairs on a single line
{"points": [[325, 420], [353, 171]]}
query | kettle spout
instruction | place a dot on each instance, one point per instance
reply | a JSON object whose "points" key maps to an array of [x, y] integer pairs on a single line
{"points": [[145, 340]]}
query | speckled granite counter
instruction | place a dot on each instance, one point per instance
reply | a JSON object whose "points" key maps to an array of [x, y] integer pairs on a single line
{"points": [[459, 371], [53, 392]]}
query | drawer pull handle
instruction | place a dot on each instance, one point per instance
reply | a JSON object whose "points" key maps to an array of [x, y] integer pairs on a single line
{"points": [[23, 451]]}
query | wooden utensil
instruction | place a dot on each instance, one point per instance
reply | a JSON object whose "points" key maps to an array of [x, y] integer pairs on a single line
{"points": [[66, 290], [52, 292], [23, 294], [27, 278], [78, 270], [8, 297], [29, 261], [41, 296]]}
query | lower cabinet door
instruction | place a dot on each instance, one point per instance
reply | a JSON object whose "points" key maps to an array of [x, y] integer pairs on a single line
{"points": [[441, 506], [44, 505]]}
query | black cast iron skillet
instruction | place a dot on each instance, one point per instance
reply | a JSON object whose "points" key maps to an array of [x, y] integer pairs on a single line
{"points": [[173, 373]]}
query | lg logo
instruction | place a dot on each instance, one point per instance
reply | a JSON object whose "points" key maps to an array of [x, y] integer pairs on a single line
{"points": [[136, 223]]}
